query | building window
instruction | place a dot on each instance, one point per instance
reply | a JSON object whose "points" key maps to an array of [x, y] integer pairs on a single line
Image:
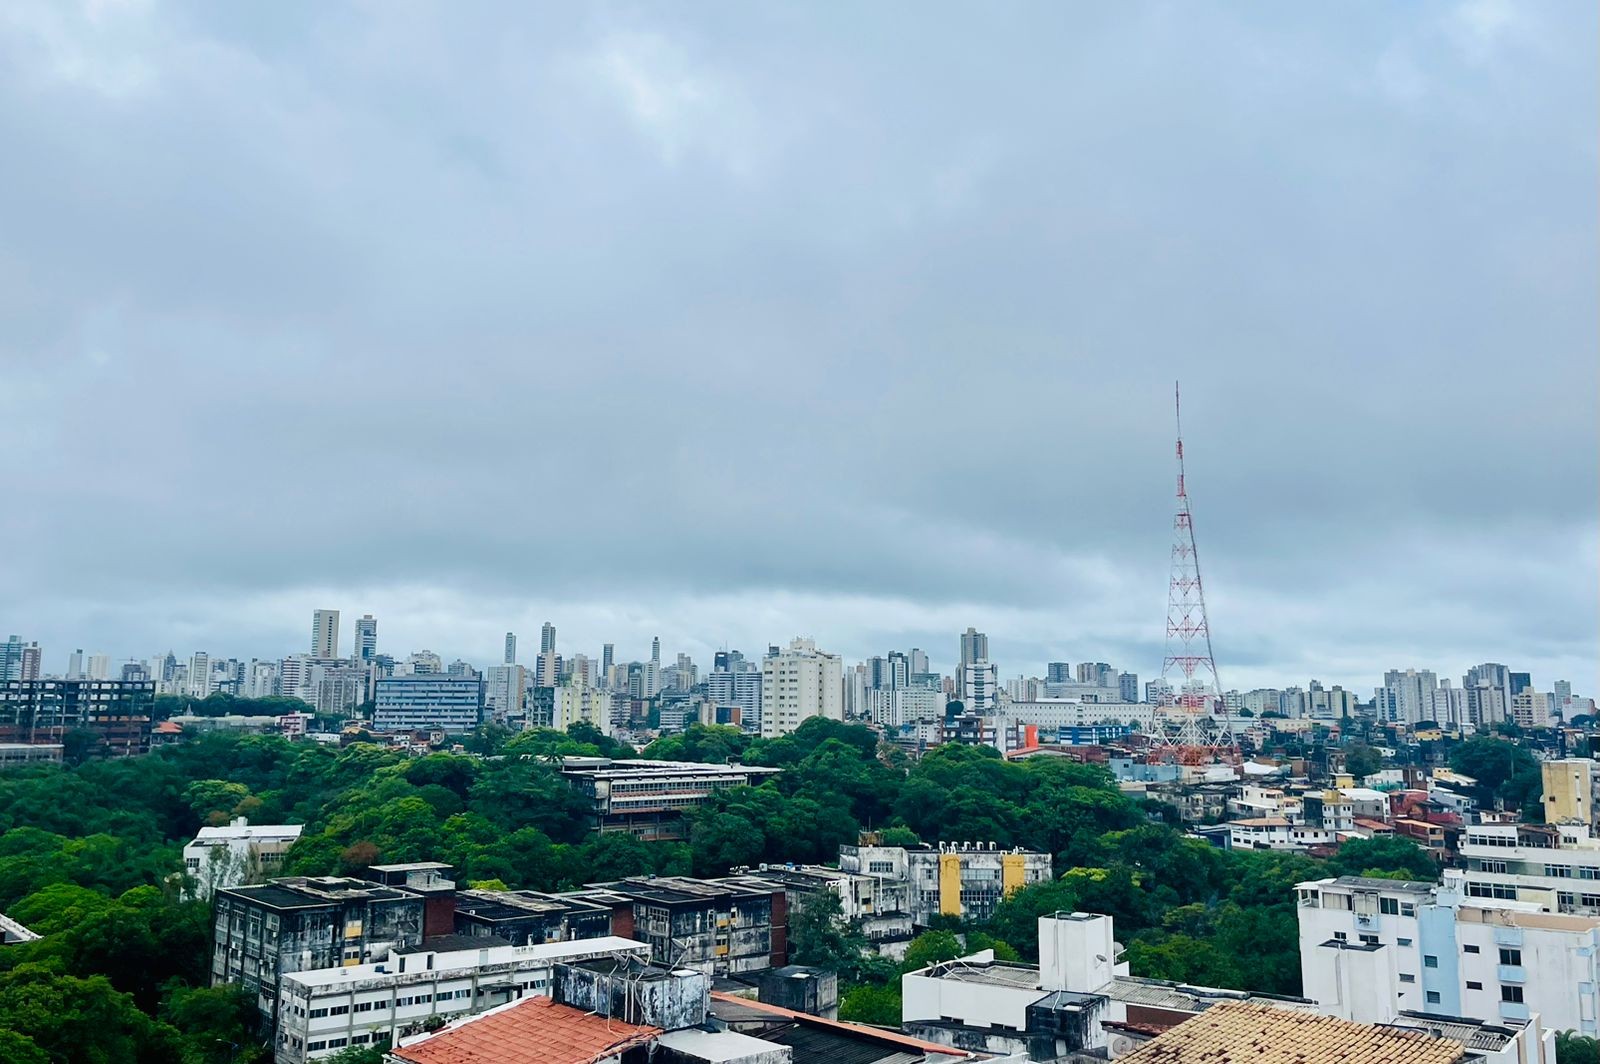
{"points": [[1406, 977], [1511, 993], [1433, 997], [1340, 936], [1469, 949], [1407, 909], [1510, 956], [1402, 942], [1430, 961], [1474, 986], [1389, 906], [1369, 940]]}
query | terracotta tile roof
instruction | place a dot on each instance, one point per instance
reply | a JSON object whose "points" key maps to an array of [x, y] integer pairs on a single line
{"points": [[533, 1031], [1238, 1032]]}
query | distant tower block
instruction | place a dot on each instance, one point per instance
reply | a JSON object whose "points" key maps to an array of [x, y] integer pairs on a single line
{"points": [[1189, 670]]}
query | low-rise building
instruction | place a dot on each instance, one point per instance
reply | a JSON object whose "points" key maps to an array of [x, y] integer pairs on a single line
{"points": [[1276, 833], [236, 854], [324, 1011], [650, 798], [12, 754], [964, 879]]}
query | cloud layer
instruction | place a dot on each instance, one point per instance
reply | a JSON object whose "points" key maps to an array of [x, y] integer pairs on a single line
{"points": [[736, 322]]}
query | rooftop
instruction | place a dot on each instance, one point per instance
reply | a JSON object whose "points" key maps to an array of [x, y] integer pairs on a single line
{"points": [[518, 904], [231, 832], [476, 956], [1240, 1032], [531, 1031], [1367, 882], [1184, 997], [310, 892]]}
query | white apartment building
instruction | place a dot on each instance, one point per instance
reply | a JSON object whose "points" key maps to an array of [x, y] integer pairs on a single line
{"points": [[1369, 947], [578, 702], [325, 634], [1276, 833], [237, 854], [323, 1011], [799, 682], [897, 706], [1553, 867], [503, 688], [1051, 714], [1254, 800], [979, 684]]}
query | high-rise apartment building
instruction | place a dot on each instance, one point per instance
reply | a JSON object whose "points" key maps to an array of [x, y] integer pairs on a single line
{"points": [[366, 647], [503, 690], [200, 675], [511, 648], [1407, 697], [1058, 672], [75, 665], [608, 658], [974, 646], [799, 682], [11, 659], [980, 683], [31, 664], [99, 667], [325, 634], [547, 638]]}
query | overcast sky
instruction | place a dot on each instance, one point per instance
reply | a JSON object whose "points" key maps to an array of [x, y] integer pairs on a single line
{"points": [[732, 322]]}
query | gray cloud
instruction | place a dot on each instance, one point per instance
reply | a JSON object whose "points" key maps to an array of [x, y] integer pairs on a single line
{"points": [[737, 322]]}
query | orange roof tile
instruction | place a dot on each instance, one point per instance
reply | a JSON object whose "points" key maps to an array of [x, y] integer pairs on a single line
{"points": [[1239, 1032], [533, 1031]]}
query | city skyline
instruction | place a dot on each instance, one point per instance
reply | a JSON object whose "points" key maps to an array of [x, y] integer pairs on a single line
{"points": [[740, 325], [96, 665]]}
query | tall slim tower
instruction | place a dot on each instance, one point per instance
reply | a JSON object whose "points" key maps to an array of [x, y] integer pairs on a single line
{"points": [[511, 648], [1189, 668], [325, 634], [366, 648]]}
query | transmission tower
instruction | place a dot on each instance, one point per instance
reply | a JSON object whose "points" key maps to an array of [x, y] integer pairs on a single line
{"points": [[1189, 670]]}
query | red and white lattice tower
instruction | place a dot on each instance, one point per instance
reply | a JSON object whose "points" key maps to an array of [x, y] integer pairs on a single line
{"points": [[1189, 670]]}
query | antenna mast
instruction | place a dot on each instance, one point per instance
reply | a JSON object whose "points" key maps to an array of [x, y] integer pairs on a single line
{"points": [[1189, 669]]}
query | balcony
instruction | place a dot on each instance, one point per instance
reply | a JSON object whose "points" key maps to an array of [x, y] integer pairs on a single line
{"points": [[1511, 973], [1513, 1010], [1508, 936]]}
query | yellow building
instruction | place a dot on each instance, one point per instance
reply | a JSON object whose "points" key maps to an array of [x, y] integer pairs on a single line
{"points": [[1569, 791]]}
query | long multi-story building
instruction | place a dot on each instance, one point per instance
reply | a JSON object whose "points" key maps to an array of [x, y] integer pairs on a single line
{"points": [[797, 683], [43, 711], [411, 703], [650, 798], [963, 879], [329, 1009], [577, 702], [1370, 943], [262, 933]]}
